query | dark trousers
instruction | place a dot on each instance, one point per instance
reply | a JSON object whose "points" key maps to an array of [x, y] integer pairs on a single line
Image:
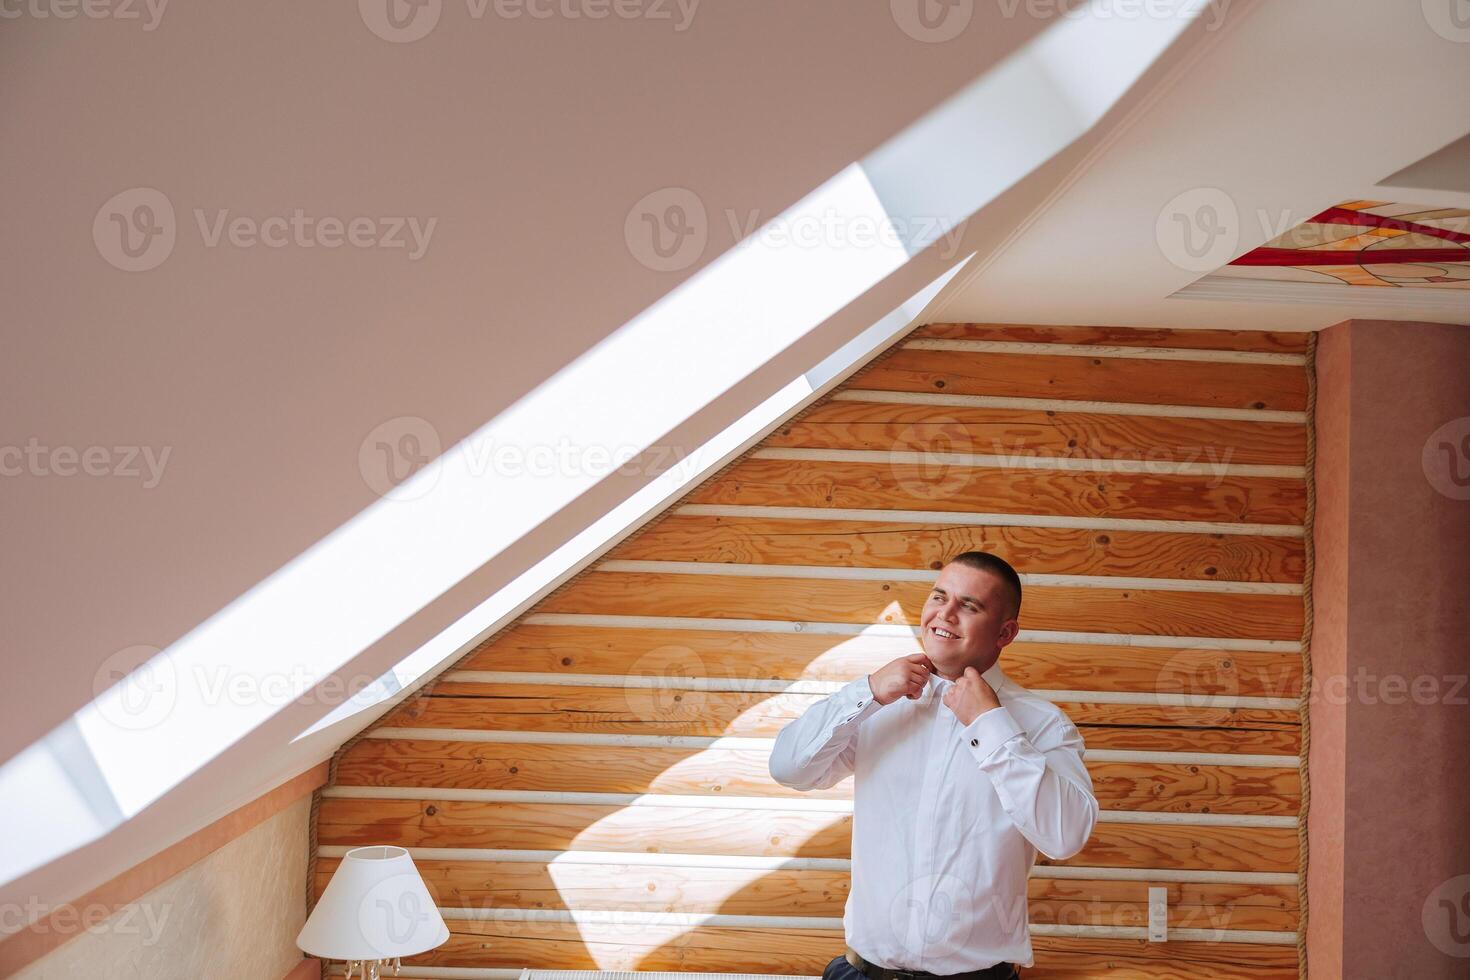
{"points": [[840, 969]]}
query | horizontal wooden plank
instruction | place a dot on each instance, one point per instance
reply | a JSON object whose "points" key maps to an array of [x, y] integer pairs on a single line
{"points": [[672, 711], [965, 489], [1268, 386], [1042, 434], [1129, 611], [1032, 550], [1192, 905], [721, 949], [1182, 787], [1251, 340], [795, 656], [815, 892], [1137, 959]]}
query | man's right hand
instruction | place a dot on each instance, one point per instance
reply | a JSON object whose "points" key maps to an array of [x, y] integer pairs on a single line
{"points": [[903, 678]]}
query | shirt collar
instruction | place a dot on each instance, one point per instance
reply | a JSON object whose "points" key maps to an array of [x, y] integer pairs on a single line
{"points": [[936, 685]]}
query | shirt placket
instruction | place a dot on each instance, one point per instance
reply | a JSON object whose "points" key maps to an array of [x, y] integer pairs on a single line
{"points": [[925, 831]]}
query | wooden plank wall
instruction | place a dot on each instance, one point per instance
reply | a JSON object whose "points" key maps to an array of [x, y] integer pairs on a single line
{"points": [[589, 790]]}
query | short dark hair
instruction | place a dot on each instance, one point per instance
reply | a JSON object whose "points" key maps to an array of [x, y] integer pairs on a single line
{"points": [[997, 566]]}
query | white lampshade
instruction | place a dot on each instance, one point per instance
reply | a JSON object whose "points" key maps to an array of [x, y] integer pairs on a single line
{"points": [[376, 907]]}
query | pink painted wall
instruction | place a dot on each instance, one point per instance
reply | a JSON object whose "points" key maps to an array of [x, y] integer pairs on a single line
{"points": [[1391, 796]]}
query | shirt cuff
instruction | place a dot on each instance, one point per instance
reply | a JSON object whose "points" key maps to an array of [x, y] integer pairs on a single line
{"points": [[990, 731], [857, 699]]}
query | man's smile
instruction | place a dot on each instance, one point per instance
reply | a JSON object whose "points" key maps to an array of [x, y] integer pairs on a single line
{"points": [[943, 633]]}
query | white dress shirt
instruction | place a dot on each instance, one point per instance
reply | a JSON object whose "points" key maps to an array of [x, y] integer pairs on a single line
{"points": [[947, 818]]}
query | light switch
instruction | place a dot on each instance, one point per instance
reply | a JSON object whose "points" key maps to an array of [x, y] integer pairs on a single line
{"points": [[1158, 915]]}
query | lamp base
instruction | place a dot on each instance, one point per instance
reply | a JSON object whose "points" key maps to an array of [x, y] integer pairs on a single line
{"points": [[373, 969]]}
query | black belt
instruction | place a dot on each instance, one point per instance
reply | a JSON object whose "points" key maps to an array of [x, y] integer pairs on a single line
{"points": [[1000, 971]]}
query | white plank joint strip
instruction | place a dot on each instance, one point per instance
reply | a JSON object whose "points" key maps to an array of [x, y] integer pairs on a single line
{"points": [[973, 519], [1022, 461], [1107, 351], [849, 573], [1069, 405]]}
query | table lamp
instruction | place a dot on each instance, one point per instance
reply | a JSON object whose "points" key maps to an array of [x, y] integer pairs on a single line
{"points": [[374, 911]]}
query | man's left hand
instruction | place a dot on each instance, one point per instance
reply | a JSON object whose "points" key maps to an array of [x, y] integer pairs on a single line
{"points": [[970, 696]]}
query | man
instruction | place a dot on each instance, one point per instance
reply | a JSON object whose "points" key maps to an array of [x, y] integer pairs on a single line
{"points": [[961, 777]]}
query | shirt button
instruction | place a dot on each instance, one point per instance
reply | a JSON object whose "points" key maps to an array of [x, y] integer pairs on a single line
{"points": [[860, 704], [974, 741]]}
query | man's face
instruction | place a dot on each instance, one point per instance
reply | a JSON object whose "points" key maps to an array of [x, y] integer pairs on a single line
{"points": [[966, 620]]}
